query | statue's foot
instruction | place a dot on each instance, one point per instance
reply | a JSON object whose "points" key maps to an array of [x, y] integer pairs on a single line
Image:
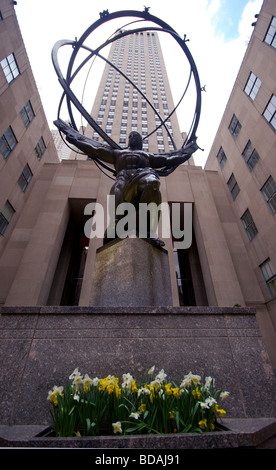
{"points": [[157, 241]]}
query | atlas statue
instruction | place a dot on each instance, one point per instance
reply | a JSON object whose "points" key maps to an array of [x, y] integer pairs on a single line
{"points": [[136, 172], [137, 179]]}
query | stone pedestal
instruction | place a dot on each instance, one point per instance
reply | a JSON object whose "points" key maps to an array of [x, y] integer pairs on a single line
{"points": [[131, 272]]}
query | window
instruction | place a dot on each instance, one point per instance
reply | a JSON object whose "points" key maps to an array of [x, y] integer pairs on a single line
{"points": [[234, 127], [27, 114], [40, 148], [221, 157], [6, 215], [249, 225], [1, 16], [7, 142], [269, 275], [10, 68], [270, 112], [250, 155], [25, 178], [252, 86], [233, 186], [269, 192], [270, 37]]}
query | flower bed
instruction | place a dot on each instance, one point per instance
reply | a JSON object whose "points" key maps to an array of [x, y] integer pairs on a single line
{"points": [[93, 407]]}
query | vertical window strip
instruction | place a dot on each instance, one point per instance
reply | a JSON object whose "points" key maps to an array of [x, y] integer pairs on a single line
{"points": [[234, 127], [10, 68], [27, 114], [6, 216], [249, 225], [221, 157], [25, 178], [269, 192], [233, 186], [250, 155], [270, 112], [252, 86], [269, 276], [7, 142], [270, 37]]}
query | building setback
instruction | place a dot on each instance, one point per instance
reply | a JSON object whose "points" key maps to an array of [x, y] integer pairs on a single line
{"points": [[47, 260]]}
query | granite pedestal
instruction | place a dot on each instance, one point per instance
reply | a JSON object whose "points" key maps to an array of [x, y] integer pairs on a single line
{"points": [[131, 272], [41, 346]]}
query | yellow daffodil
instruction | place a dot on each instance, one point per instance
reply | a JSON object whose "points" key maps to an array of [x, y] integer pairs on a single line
{"points": [[142, 408], [168, 389], [176, 392], [196, 393], [203, 423], [220, 411]]}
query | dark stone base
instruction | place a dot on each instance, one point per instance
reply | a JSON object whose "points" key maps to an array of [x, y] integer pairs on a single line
{"points": [[241, 434], [41, 346]]}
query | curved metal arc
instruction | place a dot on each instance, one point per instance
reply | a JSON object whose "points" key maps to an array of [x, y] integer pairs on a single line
{"points": [[70, 78], [95, 52], [147, 17]]}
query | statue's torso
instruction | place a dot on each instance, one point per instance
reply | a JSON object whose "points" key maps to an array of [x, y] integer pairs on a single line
{"points": [[131, 160]]}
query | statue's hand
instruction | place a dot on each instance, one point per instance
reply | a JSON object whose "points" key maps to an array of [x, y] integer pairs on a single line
{"points": [[190, 148]]}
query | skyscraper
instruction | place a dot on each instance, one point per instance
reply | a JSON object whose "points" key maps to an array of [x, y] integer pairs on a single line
{"points": [[140, 102]]}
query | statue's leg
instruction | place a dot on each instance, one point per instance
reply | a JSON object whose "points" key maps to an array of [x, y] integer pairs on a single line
{"points": [[116, 199], [150, 193]]}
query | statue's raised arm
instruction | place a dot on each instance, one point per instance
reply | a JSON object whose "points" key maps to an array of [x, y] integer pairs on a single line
{"points": [[90, 147], [174, 158]]}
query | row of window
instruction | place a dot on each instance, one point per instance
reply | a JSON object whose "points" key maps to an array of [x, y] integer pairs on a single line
{"points": [[268, 191], [23, 181], [251, 157], [267, 268], [8, 140]]}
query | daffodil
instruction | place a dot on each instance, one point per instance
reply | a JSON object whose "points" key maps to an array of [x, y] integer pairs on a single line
{"points": [[53, 394], [151, 370], [176, 392], [196, 393], [135, 415], [87, 382], [203, 423], [142, 408], [117, 427], [220, 411], [189, 379]]}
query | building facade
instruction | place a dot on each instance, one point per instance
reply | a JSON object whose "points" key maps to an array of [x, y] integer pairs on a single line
{"points": [[25, 140], [48, 260], [243, 154]]}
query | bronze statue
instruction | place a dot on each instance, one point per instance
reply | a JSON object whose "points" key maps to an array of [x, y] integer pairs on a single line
{"points": [[137, 179]]}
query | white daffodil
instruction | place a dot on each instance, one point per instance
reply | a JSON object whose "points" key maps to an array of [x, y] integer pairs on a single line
{"points": [[117, 427], [135, 415]]}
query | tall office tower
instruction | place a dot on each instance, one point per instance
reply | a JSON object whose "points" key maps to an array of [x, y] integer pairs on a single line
{"points": [[243, 153], [120, 108], [25, 139]]}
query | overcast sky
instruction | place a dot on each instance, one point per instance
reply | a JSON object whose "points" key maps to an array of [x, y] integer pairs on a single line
{"points": [[218, 33]]}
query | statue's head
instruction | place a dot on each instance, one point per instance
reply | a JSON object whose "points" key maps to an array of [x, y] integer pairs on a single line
{"points": [[135, 141]]}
